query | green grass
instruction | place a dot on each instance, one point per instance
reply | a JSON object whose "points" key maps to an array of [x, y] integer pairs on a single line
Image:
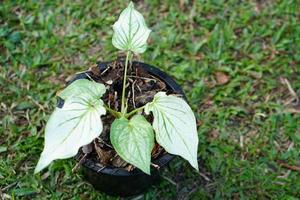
{"points": [[248, 126]]}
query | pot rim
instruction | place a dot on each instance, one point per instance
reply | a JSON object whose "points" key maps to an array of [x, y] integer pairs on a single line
{"points": [[160, 161]]}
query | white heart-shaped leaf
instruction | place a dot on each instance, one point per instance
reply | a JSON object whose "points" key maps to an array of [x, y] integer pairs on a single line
{"points": [[175, 126], [133, 140], [130, 31], [83, 86], [70, 127]]}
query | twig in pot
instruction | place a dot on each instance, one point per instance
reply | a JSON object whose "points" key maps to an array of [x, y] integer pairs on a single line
{"points": [[133, 97], [76, 167]]}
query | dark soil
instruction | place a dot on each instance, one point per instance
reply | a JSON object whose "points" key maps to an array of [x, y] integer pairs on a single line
{"points": [[140, 89]]}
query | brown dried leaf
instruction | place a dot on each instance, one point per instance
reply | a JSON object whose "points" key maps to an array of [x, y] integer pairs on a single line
{"points": [[86, 149], [155, 150], [292, 110], [129, 168], [103, 155], [181, 4], [144, 98], [53, 80], [221, 78], [161, 85], [212, 135], [118, 161], [95, 70], [291, 167]]}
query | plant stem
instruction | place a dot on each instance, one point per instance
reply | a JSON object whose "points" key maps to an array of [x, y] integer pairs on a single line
{"points": [[123, 110], [134, 111], [113, 112]]}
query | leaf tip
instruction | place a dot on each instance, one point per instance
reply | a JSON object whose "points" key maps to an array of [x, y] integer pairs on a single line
{"points": [[146, 169], [40, 165], [36, 170], [195, 165], [131, 5]]}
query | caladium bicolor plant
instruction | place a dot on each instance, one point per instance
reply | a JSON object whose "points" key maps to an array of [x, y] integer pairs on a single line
{"points": [[78, 122]]}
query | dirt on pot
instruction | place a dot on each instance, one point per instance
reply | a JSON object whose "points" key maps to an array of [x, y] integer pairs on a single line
{"points": [[140, 89]]}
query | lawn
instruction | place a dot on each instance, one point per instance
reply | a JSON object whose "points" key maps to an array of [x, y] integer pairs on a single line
{"points": [[237, 61]]}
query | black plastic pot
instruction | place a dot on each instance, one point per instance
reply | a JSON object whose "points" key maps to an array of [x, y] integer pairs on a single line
{"points": [[118, 181]]}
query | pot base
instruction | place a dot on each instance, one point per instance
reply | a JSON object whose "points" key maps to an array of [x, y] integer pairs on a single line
{"points": [[113, 184]]}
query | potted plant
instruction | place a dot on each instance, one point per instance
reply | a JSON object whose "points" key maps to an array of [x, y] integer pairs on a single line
{"points": [[123, 119]]}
